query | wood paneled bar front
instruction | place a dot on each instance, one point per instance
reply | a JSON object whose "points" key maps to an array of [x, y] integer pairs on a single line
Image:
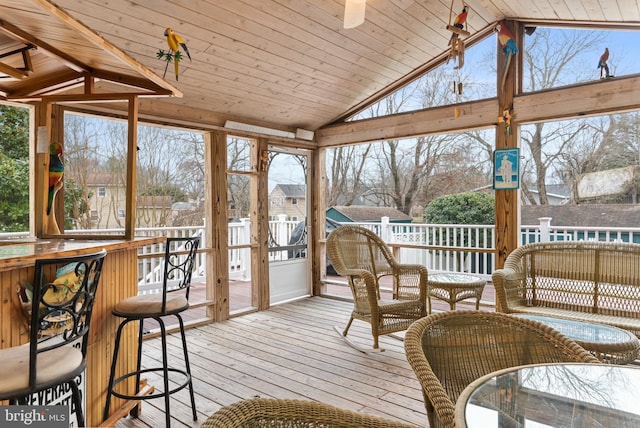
{"points": [[119, 280]]}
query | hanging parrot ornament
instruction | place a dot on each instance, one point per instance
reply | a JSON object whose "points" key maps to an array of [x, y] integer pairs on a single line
{"points": [[459, 22], [174, 54], [457, 28], [509, 48], [602, 64], [56, 172]]}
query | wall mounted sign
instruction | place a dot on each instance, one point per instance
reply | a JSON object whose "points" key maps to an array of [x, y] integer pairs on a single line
{"points": [[506, 169]]}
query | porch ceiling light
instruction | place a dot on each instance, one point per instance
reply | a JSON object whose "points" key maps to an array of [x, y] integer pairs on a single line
{"points": [[230, 124], [354, 13]]}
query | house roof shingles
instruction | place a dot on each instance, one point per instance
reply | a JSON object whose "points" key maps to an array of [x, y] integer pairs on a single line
{"points": [[293, 190], [584, 215], [366, 213]]}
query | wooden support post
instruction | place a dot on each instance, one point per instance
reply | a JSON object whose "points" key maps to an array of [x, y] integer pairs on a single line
{"points": [[216, 225], [317, 218], [260, 297], [132, 156], [508, 201], [43, 123]]}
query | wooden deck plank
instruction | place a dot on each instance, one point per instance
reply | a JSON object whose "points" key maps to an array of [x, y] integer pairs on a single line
{"points": [[289, 351]]}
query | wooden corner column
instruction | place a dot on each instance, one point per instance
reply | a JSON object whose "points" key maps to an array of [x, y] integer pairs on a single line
{"points": [[260, 295], [318, 220], [217, 229], [508, 201]]}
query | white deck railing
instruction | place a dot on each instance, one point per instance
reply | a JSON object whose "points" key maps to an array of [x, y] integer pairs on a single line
{"points": [[452, 247]]}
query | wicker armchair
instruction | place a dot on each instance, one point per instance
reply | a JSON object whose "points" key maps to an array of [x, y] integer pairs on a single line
{"points": [[267, 413], [449, 350], [364, 258]]}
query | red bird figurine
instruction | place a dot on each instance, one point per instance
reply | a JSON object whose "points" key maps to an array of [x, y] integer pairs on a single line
{"points": [[459, 22], [602, 64]]}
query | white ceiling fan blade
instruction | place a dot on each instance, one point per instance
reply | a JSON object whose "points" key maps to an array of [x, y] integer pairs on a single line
{"points": [[354, 13]]}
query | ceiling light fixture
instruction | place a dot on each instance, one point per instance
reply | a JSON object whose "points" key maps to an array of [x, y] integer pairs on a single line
{"points": [[354, 13], [239, 126]]}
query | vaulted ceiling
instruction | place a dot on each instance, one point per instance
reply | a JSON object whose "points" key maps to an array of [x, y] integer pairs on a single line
{"points": [[282, 63]]}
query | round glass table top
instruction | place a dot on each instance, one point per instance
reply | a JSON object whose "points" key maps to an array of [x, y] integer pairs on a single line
{"points": [[584, 331], [553, 395], [455, 278]]}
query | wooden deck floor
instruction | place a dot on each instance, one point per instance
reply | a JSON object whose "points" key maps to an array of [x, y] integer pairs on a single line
{"points": [[289, 351]]}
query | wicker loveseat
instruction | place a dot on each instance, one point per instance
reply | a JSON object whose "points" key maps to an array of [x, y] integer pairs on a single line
{"points": [[587, 281]]}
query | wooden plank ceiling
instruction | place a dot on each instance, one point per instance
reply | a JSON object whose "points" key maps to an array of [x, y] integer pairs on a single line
{"points": [[282, 63], [43, 51]]}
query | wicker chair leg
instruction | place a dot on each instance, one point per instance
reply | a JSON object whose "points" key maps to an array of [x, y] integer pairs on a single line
{"points": [[355, 345], [346, 329]]}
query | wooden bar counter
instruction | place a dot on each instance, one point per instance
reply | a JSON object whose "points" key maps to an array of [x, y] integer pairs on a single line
{"points": [[119, 280]]}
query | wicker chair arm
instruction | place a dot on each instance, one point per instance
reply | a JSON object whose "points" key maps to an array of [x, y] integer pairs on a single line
{"points": [[432, 388], [357, 277], [283, 413], [412, 268], [504, 280], [418, 275]]}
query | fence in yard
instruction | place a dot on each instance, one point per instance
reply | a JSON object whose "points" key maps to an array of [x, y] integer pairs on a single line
{"points": [[440, 247]]}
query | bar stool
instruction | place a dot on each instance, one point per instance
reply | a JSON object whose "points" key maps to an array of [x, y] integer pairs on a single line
{"points": [[178, 266], [60, 316]]}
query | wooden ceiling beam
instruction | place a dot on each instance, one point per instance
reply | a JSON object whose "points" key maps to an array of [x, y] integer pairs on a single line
{"points": [[17, 51], [587, 99], [90, 98], [132, 81], [89, 84], [439, 120], [26, 59], [13, 72], [26, 38], [107, 46], [47, 84]]}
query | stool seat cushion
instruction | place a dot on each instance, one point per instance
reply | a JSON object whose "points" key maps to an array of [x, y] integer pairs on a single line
{"points": [[150, 305], [54, 367]]}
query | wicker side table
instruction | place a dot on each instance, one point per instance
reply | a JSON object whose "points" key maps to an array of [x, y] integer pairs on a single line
{"points": [[453, 287], [609, 344]]}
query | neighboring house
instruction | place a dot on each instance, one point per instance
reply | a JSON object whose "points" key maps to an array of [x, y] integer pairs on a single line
{"points": [[187, 213], [361, 213], [107, 201], [583, 215], [154, 211], [107, 204], [290, 200], [618, 185]]}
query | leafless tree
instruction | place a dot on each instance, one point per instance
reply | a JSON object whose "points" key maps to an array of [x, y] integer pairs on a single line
{"points": [[409, 170], [81, 159], [553, 58], [346, 173], [238, 185]]}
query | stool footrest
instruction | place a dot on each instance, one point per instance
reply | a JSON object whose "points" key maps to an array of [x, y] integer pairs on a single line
{"points": [[186, 382], [145, 389]]}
